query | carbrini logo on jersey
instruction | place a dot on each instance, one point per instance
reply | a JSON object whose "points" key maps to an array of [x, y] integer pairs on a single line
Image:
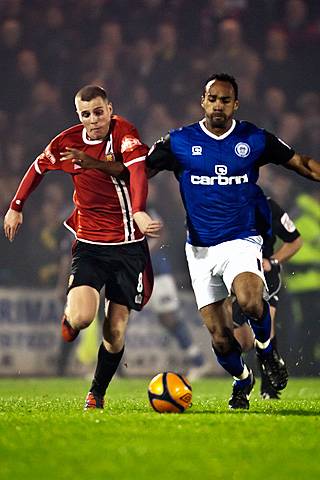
{"points": [[221, 178]]}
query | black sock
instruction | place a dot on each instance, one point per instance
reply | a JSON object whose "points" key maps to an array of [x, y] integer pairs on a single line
{"points": [[274, 343], [106, 367]]}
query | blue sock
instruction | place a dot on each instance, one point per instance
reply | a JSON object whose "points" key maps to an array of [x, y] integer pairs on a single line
{"points": [[243, 383], [262, 329], [232, 361]]}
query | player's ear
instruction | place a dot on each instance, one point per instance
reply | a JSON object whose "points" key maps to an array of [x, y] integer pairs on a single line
{"points": [[236, 105], [76, 104], [202, 100], [110, 107]]}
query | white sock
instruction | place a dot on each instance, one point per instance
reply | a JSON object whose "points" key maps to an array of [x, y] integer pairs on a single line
{"points": [[262, 345], [244, 374]]}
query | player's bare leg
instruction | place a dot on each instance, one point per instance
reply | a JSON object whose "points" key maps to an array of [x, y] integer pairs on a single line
{"points": [[242, 331], [81, 309], [110, 353], [248, 288], [115, 326], [245, 337], [218, 324], [228, 353]]}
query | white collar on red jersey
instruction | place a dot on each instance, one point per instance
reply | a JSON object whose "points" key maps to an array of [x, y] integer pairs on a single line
{"points": [[87, 140]]}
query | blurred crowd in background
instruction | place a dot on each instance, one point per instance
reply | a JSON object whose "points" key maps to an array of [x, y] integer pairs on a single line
{"points": [[152, 57]]}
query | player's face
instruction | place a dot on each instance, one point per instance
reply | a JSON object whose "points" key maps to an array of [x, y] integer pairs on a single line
{"points": [[95, 116], [219, 105]]}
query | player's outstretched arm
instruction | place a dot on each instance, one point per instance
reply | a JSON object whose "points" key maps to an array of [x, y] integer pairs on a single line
{"points": [[86, 162], [146, 225], [305, 166], [14, 218], [11, 224]]}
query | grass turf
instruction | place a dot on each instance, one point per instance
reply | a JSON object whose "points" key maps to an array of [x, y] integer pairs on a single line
{"points": [[44, 434]]}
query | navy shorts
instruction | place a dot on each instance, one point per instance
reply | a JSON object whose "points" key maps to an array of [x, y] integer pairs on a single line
{"points": [[124, 270], [273, 279]]}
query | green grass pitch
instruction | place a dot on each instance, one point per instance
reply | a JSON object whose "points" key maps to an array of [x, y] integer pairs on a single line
{"points": [[44, 434]]}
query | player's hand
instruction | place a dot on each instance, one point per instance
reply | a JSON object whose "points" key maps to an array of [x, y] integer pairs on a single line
{"points": [[79, 158], [12, 222], [266, 265], [109, 166], [271, 264], [146, 225]]}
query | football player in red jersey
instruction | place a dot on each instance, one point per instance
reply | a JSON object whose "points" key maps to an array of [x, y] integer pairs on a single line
{"points": [[109, 222]]}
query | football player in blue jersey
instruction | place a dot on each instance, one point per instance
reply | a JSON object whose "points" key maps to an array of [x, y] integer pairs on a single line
{"points": [[216, 162]]}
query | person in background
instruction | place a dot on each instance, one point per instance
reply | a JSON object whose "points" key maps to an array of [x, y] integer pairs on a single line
{"points": [[303, 285], [274, 256]]}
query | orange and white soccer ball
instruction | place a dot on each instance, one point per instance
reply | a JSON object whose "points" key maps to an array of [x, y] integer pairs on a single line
{"points": [[170, 392]]}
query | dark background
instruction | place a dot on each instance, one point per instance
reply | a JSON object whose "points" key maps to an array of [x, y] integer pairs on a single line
{"points": [[153, 56]]}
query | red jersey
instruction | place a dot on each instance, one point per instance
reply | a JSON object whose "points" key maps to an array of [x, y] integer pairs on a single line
{"points": [[104, 205]]}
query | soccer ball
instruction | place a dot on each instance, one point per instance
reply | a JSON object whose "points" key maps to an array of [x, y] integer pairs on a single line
{"points": [[170, 392]]}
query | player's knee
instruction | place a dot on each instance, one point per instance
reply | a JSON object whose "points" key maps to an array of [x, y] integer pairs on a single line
{"points": [[251, 306], [80, 320]]}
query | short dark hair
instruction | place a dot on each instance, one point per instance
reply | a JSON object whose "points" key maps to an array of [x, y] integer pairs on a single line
{"points": [[223, 77], [89, 92]]}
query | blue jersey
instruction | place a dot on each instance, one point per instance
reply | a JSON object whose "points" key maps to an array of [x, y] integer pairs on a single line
{"points": [[217, 177]]}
